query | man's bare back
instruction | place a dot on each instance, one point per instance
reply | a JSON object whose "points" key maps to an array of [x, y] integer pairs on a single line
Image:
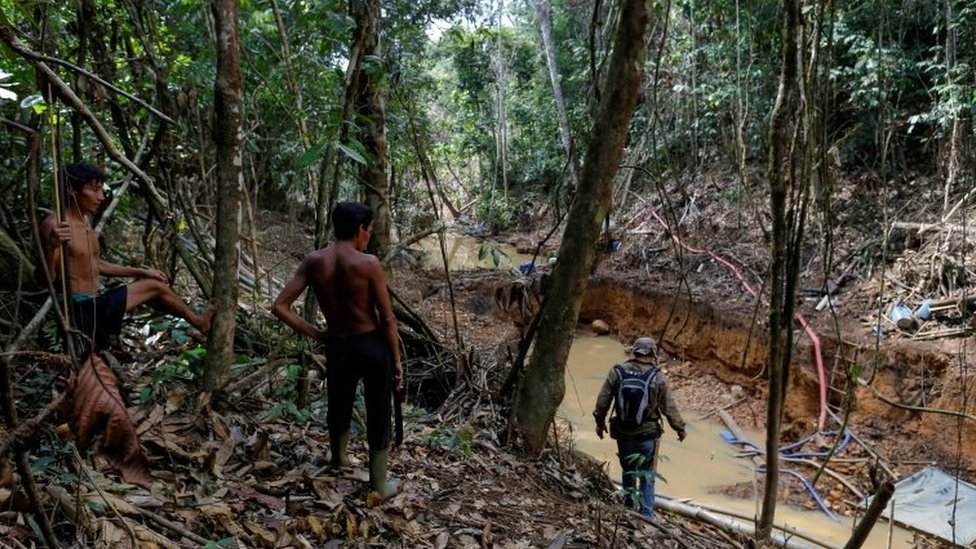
{"points": [[351, 292], [342, 279]]}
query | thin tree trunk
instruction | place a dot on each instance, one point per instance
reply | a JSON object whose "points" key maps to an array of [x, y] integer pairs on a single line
{"points": [[543, 386], [878, 504], [781, 177], [955, 137], [313, 174], [228, 90], [371, 106], [502, 152], [545, 25]]}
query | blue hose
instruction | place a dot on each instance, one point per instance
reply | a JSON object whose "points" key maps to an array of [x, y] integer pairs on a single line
{"points": [[816, 497], [785, 455]]}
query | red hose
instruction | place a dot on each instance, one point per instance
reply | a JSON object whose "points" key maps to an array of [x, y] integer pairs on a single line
{"points": [[818, 355]]}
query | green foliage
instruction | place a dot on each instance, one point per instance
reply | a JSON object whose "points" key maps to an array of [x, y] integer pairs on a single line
{"points": [[188, 365], [451, 439], [491, 248], [495, 211], [219, 544]]}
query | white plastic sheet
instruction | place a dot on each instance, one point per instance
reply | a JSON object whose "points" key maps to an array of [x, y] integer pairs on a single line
{"points": [[930, 498]]}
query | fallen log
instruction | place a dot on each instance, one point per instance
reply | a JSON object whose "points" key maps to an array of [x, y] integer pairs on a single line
{"points": [[710, 515]]}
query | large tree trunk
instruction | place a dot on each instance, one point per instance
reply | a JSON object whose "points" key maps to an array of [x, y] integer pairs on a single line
{"points": [[543, 387], [228, 90], [374, 176], [782, 278], [545, 25]]}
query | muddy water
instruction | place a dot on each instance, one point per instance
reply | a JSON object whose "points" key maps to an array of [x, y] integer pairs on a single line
{"points": [[696, 466], [463, 253]]}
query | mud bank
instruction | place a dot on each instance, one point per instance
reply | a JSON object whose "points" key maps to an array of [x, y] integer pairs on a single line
{"points": [[730, 346]]}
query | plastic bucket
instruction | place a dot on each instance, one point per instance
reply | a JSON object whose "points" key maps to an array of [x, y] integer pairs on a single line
{"points": [[902, 317]]}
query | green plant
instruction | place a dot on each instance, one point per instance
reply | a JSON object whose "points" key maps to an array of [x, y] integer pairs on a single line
{"points": [[493, 249], [188, 365], [452, 439], [496, 211]]}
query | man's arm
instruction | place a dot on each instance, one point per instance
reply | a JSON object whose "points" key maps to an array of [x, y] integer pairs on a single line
{"points": [[670, 408], [603, 401], [282, 305], [381, 294]]}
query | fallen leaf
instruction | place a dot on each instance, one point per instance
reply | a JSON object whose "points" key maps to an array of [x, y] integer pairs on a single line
{"points": [[96, 408]]}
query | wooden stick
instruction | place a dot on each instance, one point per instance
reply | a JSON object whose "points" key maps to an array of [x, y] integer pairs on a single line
{"points": [[722, 409], [176, 528], [927, 227], [28, 428], [872, 515]]}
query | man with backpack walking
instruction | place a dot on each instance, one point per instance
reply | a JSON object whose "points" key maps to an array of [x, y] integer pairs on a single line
{"points": [[641, 396]]}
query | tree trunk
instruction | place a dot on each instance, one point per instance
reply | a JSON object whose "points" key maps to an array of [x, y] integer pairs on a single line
{"points": [[542, 10], [370, 103], [502, 137], [781, 180], [228, 90], [543, 386]]}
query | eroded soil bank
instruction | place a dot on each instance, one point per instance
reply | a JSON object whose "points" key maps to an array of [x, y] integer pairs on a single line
{"points": [[724, 355]]}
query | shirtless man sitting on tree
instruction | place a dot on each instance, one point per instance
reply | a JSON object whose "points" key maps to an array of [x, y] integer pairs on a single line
{"points": [[97, 312]]}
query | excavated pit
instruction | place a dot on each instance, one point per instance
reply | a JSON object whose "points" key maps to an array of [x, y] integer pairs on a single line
{"points": [[719, 345]]}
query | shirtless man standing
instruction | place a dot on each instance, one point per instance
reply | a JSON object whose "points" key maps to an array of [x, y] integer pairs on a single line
{"points": [[97, 312], [360, 336]]}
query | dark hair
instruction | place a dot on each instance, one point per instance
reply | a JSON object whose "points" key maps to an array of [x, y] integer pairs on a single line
{"points": [[347, 217], [79, 175]]}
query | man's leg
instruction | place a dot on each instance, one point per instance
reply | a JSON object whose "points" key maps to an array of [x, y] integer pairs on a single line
{"points": [[341, 380], [648, 476], [161, 295], [628, 452], [377, 361]]}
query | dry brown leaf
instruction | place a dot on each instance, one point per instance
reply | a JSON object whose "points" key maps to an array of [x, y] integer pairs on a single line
{"points": [[221, 455], [265, 536], [152, 419], [350, 526], [316, 526], [231, 527], [96, 408], [112, 500], [110, 535]]}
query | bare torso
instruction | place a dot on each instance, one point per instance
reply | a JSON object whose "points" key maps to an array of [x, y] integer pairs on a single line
{"points": [[83, 254], [339, 276]]}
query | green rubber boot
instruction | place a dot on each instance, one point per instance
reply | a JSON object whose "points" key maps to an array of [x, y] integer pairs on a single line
{"points": [[377, 475], [339, 454]]}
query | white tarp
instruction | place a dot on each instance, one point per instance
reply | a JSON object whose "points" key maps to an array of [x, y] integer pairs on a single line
{"points": [[925, 501]]}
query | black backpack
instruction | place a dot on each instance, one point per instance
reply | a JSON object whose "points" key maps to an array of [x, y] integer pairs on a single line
{"points": [[632, 395]]}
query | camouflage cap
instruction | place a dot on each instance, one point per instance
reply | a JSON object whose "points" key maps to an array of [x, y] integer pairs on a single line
{"points": [[644, 346]]}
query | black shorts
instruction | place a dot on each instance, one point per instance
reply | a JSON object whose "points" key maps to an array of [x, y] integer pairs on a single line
{"points": [[367, 357], [94, 318]]}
